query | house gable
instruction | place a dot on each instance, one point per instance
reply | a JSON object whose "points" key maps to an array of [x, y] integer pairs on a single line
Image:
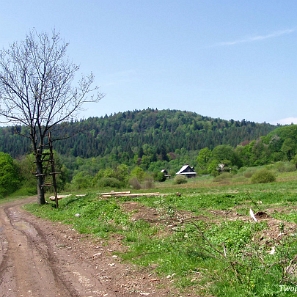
{"points": [[187, 171]]}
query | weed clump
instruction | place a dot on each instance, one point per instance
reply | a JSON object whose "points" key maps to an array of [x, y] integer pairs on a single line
{"points": [[285, 167], [263, 176], [134, 183], [249, 172], [225, 176], [180, 179], [148, 183]]}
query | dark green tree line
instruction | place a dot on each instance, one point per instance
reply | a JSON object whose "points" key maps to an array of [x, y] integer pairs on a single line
{"points": [[128, 131]]}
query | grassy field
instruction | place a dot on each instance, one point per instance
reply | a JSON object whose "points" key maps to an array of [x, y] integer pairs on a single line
{"points": [[203, 237]]}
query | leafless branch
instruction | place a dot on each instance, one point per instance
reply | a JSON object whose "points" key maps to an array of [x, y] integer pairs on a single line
{"points": [[37, 85]]}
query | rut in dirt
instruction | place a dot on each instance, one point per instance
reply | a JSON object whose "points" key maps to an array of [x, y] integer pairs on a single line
{"points": [[30, 266], [39, 258]]}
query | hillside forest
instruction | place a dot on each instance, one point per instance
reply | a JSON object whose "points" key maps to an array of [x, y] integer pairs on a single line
{"points": [[129, 149]]}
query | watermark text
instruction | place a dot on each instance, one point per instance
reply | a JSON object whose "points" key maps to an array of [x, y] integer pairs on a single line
{"points": [[285, 288]]}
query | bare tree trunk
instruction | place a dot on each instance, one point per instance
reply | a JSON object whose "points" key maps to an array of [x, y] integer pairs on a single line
{"points": [[40, 178], [40, 192]]}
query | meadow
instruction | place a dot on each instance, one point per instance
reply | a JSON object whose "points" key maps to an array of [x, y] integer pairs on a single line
{"points": [[201, 233]]}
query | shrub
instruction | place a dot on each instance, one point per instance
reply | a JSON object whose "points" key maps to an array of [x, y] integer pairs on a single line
{"points": [[81, 180], [223, 177], [138, 173], [159, 176], [134, 183], [110, 182], [148, 183], [9, 175], [249, 172], [285, 166], [263, 176], [180, 179]]}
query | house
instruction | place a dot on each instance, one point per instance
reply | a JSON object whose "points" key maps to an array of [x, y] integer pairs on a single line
{"points": [[222, 167], [165, 172], [187, 171]]}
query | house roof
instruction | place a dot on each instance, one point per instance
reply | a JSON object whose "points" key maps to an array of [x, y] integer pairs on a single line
{"points": [[165, 172], [184, 168]]}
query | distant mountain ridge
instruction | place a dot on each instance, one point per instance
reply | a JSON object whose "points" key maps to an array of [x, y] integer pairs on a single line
{"points": [[124, 132]]}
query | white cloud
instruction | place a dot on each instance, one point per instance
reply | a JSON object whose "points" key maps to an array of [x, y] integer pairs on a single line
{"points": [[287, 121], [257, 37]]}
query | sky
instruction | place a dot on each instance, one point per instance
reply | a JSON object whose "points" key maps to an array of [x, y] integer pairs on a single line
{"points": [[228, 59]]}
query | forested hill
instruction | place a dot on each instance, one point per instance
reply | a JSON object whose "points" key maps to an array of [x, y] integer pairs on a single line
{"points": [[125, 132]]}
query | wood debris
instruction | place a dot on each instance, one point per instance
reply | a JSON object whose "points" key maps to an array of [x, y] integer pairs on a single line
{"points": [[116, 193], [128, 194], [65, 196]]}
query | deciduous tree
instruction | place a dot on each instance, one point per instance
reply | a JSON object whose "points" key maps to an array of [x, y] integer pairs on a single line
{"points": [[37, 89], [203, 158], [9, 176]]}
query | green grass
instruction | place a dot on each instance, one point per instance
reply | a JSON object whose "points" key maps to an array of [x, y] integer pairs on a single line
{"points": [[11, 198], [217, 250]]}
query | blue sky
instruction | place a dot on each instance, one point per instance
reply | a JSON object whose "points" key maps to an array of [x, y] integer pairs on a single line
{"points": [[224, 59]]}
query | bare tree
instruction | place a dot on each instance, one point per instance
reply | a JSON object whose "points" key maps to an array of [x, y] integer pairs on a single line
{"points": [[36, 89]]}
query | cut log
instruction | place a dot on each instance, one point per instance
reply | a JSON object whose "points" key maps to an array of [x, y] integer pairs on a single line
{"points": [[108, 195], [116, 193], [65, 196], [59, 197]]}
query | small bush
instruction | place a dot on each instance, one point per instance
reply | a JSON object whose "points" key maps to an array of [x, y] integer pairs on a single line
{"points": [[110, 182], [148, 183], [159, 176], [249, 172], [285, 167], [180, 179], [223, 177], [134, 183], [263, 176], [81, 180]]}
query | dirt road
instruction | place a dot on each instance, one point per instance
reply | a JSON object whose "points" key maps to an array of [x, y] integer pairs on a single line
{"points": [[41, 258]]}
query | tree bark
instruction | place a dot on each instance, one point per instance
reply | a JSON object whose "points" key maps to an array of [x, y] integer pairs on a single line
{"points": [[40, 179], [40, 193]]}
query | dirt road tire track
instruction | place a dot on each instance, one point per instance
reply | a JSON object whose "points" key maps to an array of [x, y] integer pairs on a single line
{"points": [[41, 258], [31, 266]]}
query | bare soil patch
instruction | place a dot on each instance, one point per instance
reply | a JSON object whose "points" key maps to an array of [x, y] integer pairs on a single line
{"points": [[42, 258], [268, 237]]}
